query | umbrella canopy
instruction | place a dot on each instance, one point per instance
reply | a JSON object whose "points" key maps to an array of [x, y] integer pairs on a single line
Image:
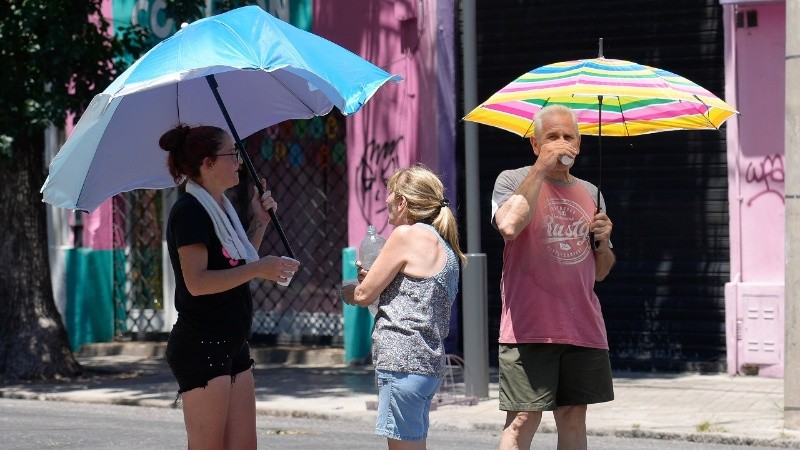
{"points": [[266, 70], [629, 98], [609, 97]]}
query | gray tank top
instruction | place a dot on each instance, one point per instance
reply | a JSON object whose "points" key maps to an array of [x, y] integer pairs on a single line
{"points": [[414, 318]]}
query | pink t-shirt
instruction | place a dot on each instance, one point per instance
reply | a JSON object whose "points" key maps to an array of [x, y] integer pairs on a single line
{"points": [[548, 278]]}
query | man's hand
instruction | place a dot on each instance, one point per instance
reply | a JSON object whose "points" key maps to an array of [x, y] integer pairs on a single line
{"points": [[601, 227], [550, 154]]}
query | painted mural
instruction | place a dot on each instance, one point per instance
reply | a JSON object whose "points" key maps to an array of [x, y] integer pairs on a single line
{"points": [[150, 14]]}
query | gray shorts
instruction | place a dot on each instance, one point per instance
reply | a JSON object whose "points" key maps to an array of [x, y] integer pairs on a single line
{"points": [[542, 377]]}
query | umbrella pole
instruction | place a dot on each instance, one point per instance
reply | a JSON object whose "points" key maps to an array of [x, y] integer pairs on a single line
{"points": [[599, 148], [212, 82], [594, 243]]}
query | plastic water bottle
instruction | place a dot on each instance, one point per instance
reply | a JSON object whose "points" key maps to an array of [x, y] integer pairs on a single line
{"points": [[370, 247], [368, 252]]}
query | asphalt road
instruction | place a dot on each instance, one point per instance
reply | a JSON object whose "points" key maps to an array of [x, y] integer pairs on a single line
{"points": [[33, 424]]}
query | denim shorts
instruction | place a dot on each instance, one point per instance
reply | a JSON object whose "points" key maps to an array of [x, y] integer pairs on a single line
{"points": [[404, 400]]}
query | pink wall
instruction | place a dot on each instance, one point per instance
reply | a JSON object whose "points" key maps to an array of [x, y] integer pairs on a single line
{"points": [[755, 78], [97, 229], [759, 181], [398, 126]]}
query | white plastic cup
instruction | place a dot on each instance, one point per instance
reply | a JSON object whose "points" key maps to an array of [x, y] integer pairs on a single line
{"points": [[566, 160], [288, 280]]}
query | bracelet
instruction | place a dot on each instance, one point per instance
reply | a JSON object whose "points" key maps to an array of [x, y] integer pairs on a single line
{"points": [[600, 253]]}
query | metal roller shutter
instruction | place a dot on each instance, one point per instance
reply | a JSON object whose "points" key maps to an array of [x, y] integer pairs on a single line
{"points": [[667, 192]]}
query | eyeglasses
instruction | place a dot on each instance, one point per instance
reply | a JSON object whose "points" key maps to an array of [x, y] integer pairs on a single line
{"points": [[235, 153]]}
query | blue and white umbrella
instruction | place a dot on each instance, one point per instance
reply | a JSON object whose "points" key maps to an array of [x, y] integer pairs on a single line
{"points": [[244, 64]]}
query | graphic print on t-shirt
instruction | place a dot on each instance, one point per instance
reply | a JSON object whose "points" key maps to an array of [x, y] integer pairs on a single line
{"points": [[233, 262], [566, 231]]}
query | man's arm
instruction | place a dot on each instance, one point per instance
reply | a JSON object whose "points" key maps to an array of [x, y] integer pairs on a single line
{"points": [[517, 212], [604, 261]]}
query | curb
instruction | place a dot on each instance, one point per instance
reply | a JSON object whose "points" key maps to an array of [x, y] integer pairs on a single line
{"points": [[702, 438], [290, 355]]}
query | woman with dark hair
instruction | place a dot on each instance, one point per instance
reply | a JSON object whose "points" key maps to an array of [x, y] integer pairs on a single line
{"points": [[414, 280], [214, 260]]}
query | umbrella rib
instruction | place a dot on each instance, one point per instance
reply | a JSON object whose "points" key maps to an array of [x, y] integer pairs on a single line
{"points": [[292, 92], [708, 109], [622, 113], [178, 101], [534, 117]]}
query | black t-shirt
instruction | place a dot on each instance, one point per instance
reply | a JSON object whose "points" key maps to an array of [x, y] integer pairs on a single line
{"points": [[227, 313]]}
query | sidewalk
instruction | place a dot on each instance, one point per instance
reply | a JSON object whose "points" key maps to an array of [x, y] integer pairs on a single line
{"points": [[304, 382]]}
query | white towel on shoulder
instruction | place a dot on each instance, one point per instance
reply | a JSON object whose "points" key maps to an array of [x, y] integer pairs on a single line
{"points": [[227, 226]]}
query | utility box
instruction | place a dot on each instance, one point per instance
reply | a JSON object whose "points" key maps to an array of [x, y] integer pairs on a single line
{"points": [[755, 328]]}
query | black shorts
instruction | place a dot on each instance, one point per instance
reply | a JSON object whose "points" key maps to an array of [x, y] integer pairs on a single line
{"points": [[195, 360]]}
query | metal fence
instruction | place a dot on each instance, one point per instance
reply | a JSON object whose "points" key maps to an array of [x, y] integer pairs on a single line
{"points": [[304, 163], [138, 282]]}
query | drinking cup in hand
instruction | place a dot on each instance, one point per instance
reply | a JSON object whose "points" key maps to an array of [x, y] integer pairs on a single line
{"points": [[288, 280]]}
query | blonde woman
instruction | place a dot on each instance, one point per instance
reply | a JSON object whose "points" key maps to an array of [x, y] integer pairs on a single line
{"points": [[415, 281]]}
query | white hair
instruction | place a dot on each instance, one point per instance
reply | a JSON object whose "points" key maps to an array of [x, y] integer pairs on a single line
{"points": [[550, 110]]}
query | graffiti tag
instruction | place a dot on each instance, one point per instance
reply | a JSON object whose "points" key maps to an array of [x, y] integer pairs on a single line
{"points": [[374, 169], [767, 172]]}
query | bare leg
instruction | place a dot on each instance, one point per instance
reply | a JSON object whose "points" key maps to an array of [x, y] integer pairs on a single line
{"points": [[571, 425], [519, 429], [205, 411], [240, 430], [394, 444]]}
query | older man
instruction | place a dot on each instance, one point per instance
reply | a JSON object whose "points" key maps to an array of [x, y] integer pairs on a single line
{"points": [[553, 348]]}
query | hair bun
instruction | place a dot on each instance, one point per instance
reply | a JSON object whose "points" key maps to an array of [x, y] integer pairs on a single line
{"points": [[175, 139], [183, 132]]}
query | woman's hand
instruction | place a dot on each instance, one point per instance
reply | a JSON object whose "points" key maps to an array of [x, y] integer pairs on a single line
{"points": [[262, 204], [276, 268], [347, 292], [362, 272]]}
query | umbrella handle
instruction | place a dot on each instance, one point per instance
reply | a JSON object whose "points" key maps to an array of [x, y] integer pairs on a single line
{"points": [[595, 244], [212, 83]]}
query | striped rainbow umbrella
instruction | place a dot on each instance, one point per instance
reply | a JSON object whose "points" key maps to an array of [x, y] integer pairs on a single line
{"points": [[628, 98], [609, 96]]}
